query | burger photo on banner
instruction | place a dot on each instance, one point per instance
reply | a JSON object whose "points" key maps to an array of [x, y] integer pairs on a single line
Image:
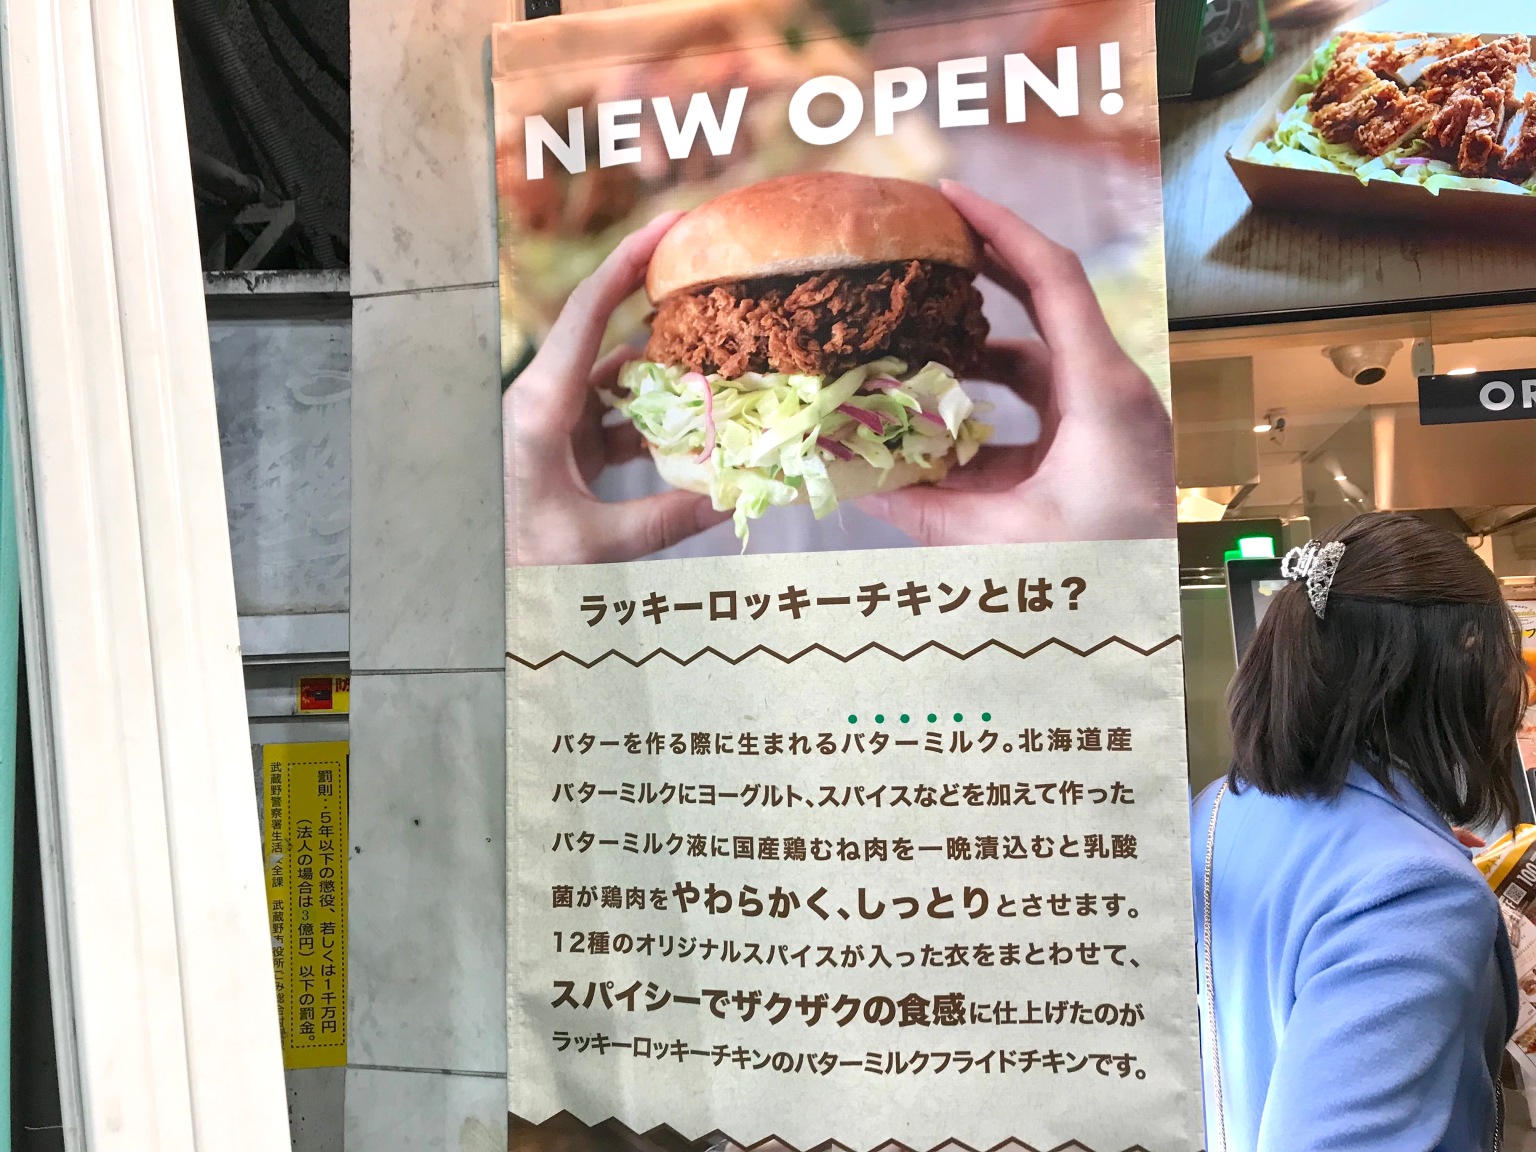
{"points": [[807, 336], [825, 333]]}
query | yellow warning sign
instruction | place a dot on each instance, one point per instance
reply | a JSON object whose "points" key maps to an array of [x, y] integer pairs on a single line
{"points": [[304, 788]]}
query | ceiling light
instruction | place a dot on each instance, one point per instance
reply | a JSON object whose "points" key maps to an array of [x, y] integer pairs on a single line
{"points": [[1462, 372], [1264, 427]]}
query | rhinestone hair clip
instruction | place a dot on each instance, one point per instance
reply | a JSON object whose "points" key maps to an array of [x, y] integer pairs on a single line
{"points": [[1315, 563]]}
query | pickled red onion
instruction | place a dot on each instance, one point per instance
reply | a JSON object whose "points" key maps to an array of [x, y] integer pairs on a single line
{"points": [[834, 447], [871, 420]]}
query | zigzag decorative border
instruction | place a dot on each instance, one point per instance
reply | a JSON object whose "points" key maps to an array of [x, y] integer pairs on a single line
{"points": [[563, 1132], [874, 646]]}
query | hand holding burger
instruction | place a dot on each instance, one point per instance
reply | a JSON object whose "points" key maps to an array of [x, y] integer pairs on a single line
{"points": [[555, 442], [1103, 466], [809, 337]]}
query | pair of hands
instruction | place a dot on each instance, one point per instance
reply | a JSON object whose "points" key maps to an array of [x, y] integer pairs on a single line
{"points": [[1101, 470]]}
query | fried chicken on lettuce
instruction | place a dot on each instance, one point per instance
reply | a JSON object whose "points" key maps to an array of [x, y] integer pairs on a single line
{"points": [[1376, 120], [1518, 147], [1465, 131], [1439, 111], [1498, 61]]}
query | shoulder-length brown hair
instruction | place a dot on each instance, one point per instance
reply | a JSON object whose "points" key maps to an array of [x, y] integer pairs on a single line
{"points": [[1414, 672]]}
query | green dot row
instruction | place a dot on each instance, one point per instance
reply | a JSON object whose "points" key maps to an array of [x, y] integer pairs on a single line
{"points": [[933, 718]]}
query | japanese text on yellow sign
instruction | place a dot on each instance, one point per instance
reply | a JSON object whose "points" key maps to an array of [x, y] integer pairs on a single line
{"points": [[305, 792]]}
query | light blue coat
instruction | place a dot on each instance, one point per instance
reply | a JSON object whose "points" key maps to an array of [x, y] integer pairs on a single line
{"points": [[1363, 976]]}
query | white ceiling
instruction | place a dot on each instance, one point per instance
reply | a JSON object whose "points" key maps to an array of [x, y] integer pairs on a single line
{"points": [[1292, 373], [1318, 400]]}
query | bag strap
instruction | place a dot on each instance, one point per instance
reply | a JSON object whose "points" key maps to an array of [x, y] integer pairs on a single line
{"points": [[1210, 981]]}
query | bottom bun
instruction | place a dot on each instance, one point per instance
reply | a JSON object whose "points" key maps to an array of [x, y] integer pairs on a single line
{"points": [[851, 479]]}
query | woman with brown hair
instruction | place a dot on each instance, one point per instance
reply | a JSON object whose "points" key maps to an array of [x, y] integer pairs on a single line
{"points": [[1356, 985]]}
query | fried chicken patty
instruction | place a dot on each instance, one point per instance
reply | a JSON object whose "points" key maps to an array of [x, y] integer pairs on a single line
{"points": [[823, 323]]}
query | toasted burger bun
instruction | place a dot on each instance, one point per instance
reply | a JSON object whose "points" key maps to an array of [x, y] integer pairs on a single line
{"points": [[810, 222], [851, 479]]}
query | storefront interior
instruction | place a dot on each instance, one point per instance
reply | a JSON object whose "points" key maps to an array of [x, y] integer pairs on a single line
{"points": [[1285, 430]]}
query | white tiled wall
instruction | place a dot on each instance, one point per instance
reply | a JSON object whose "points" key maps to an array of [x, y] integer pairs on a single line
{"points": [[282, 390], [315, 1109], [427, 584], [422, 199], [427, 983], [392, 1110]]}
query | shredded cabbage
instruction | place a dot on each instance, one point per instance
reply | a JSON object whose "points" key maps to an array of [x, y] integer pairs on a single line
{"points": [[1322, 60], [771, 430], [1443, 180]]}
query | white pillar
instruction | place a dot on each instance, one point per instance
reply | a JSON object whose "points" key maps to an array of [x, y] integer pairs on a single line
{"points": [[164, 1002]]}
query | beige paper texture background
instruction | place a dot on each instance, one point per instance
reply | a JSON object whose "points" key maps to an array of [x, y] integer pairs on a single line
{"points": [[1113, 663]]}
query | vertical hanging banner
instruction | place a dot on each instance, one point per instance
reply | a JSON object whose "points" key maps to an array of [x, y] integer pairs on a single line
{"points": [[304, 804], [845, 716]]}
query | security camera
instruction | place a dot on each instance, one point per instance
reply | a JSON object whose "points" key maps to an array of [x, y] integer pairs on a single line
{"points": [[1364, 363]]}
